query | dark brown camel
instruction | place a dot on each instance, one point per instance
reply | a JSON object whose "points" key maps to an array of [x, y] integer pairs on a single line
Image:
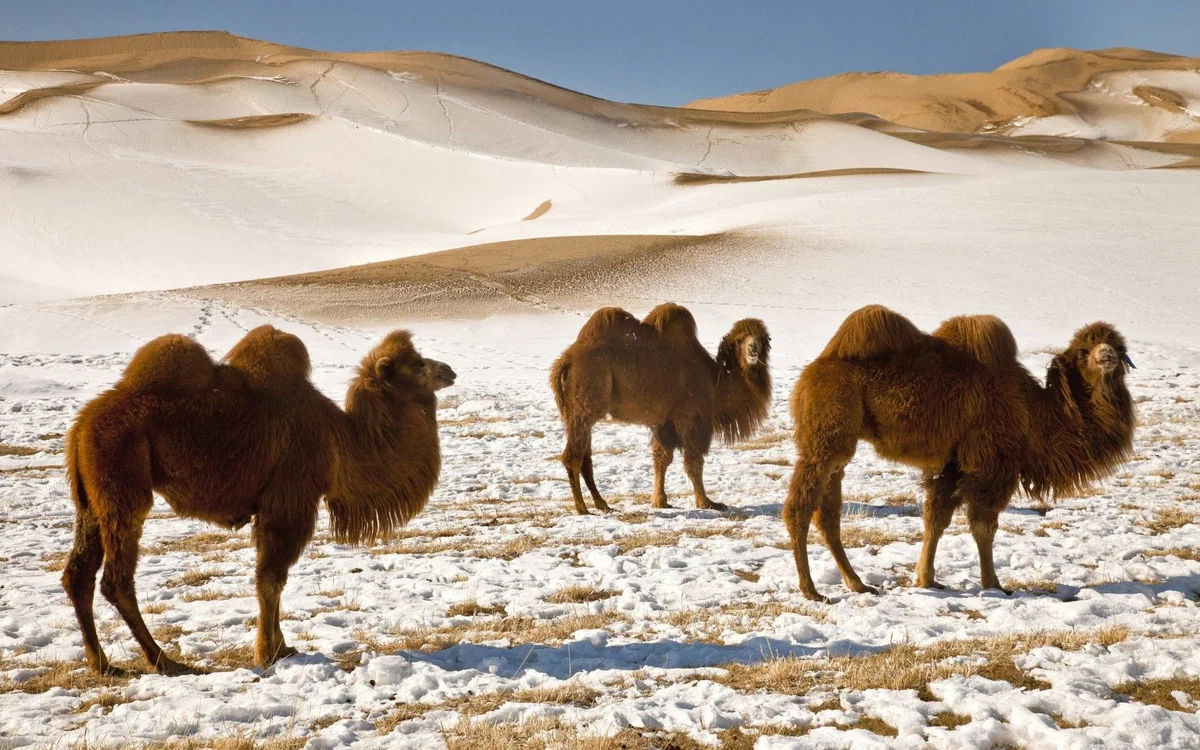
{"points": [[249, 439], [958, 405], [655, 373]]}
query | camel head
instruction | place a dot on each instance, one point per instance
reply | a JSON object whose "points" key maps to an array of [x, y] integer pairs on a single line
{"points": [[397, 365], [1098, 353], [746, 346]]}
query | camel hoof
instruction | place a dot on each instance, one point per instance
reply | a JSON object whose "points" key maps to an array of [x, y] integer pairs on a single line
{"points": [[108, 670], [285, 651], [582, 512], [664, 505], [932, 585], [719, 507], [865, 589], [171, 668], [815, 597], [603, 508]]}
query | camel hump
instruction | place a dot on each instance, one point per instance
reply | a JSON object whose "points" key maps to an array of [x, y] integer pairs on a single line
{"points": [[984, 337], [870, 332], [670, 319], [606, 322], [268, 354], [173, 361]]}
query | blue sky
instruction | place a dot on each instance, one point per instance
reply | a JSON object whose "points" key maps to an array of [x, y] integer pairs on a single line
{"points": [[651, 50]]}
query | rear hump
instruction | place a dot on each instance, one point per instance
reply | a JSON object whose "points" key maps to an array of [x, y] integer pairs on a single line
{"points": [[984, 337], [670, 319]]}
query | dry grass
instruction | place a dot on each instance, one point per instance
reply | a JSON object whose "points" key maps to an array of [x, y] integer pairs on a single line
{"points": [[949, 720], [747, 575], [551, 632], [1158, 692], [1167, 519], [1034, 585], [211, 595], [875, 536], [468, 706], [473, 608], [1183, 553], [204, 542], [195, 577], [710, 624], [68, 675], [107, 700], [54, 561], [7, 449], [760, 442], [237, 742], [906, 667], [579, 594], [773, 462]]}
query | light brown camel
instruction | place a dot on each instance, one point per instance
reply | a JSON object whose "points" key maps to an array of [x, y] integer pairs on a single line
{"points": [[247, 439], [656, 373], [958, 405]]}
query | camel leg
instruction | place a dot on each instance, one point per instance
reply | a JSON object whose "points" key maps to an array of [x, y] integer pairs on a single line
{"points": [[797, 514], [590, 479], [79, 580], [695, 447], [663, 442], [579, 441], [120, 537], [940, 502], [279, 542], [985, 498], [829, 521]]}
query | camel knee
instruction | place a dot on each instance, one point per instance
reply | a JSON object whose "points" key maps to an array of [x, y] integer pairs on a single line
{"points": [[115, 587], [79, 578]]}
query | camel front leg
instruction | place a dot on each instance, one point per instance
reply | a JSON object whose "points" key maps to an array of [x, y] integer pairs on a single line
{"points": [[986, 497], [279, 542], [695, 446]]}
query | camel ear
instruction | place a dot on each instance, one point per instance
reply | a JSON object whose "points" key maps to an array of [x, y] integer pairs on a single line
{"points": [[1125, 358], [383, 368]]}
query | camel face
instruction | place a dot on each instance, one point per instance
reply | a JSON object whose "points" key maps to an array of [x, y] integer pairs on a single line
{"points": [[751, 350], [1100, 354], [439, 374]]}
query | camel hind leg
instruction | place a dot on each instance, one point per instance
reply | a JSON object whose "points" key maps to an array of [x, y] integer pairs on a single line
{"points": [[663, 442], [696, 441], [941, 498], [79, 580], [578, 452], [590, 480]]}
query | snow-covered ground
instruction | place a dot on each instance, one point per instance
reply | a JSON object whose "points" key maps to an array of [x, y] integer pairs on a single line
{"points": [[497, 603]]}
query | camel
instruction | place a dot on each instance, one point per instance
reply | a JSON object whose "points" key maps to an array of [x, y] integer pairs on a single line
{"points": [[249, 439], [958, 405], [656, 373]]}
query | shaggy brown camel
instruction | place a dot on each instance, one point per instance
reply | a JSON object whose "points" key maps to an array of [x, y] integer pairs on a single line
{"points": [[958, 405], [247, 439], [656, 373]]}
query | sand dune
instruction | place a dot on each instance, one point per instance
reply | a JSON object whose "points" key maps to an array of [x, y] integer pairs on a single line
{"points": [[1114, 92]]}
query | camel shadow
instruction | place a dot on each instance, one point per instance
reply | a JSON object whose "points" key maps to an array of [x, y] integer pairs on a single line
{"points": [[1188, 585], [596, 654], [851, 508], [749, 511]]}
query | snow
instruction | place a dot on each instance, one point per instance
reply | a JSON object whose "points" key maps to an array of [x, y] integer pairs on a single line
{"points": [[111, 193]]}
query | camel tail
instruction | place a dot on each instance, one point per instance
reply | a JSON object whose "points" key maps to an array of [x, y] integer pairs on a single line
{"points": [[870, 332], [74, 475], [558, 382]]}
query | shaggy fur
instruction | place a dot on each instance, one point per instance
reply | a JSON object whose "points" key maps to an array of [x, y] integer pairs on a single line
{"points": [[958, 405], [655, 372], [249, 439]]}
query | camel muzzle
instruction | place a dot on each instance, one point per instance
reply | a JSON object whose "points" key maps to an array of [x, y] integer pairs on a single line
{"points": [[1106, 357], [443, 376]]}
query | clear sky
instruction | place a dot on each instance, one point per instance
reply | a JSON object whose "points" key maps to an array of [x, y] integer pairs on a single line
{"points": [[654, 51]]}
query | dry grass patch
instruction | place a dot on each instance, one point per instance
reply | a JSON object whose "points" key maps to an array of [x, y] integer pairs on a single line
{"points": [[552, 632], [473, 608], [1159, 692], [949, 720], [579, 594], [237, 742], [1033, 585], [709, 624], [747, 575], [875, 536], [469, 706], [154, 608], [7, 449], [773, 462], [545, 733], [204, 542], [107, 700], [72, 675], [760, 442], [906, 667], [195, 577], [1166, 519], [54, 561], [1183, 553], [1048, 526], [432, 547], [211, 595]]}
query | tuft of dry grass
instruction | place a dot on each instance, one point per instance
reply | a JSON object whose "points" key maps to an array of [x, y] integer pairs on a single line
{"points": [[210, 595], [579, 594], [1183, 553], [473, 608], [73, 675], [237, 742], [906, 667], [1166, 519], [7, 449], [106, 699], [1159, 692], [469, 706], [949, 720], [875, 536], [195, 577], [1034, 585], [747, 576]]}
